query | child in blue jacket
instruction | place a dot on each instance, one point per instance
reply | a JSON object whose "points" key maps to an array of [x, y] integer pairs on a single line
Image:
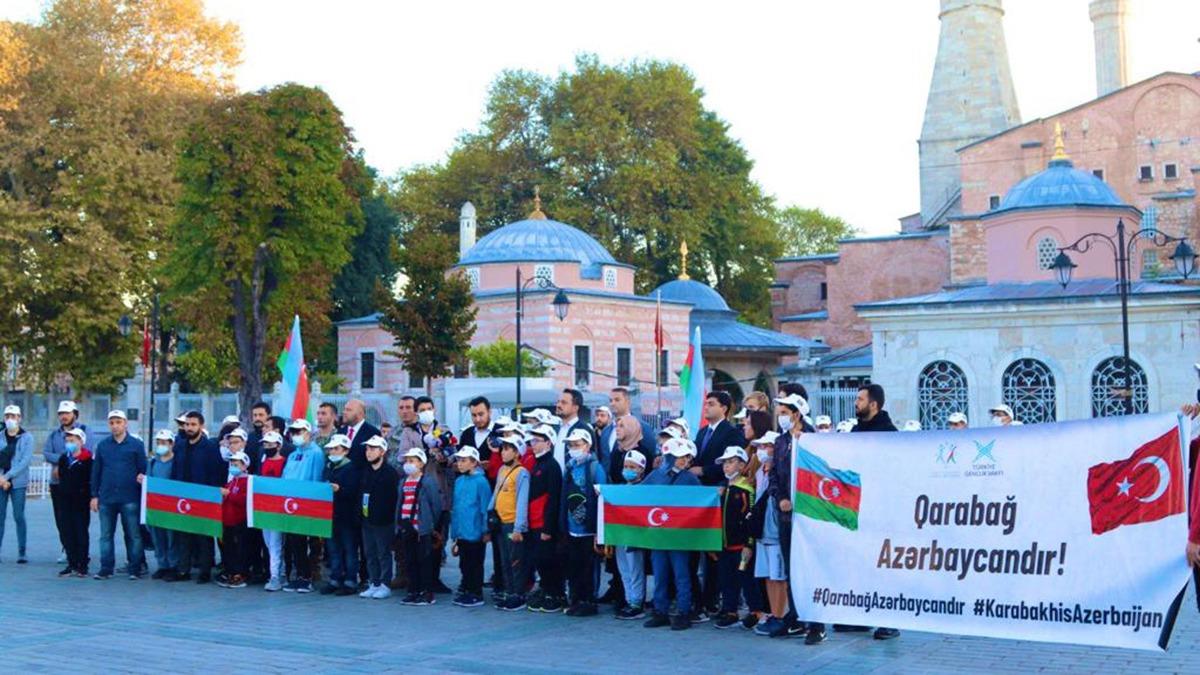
{"points": [[468, 525]]}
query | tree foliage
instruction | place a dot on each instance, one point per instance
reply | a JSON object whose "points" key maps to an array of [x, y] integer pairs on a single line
{"points": [[627, 153], [810, 231], [499, 359], [371, 251], [93, 99], [433, 323], [267, 213]]}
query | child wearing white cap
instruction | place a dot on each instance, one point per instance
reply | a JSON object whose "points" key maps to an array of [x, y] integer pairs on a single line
{"points": [[74, 494], [468, 524], [233, 517], [737, 498], [631, 562], [420, 506], [678, 455], [166, 546]]}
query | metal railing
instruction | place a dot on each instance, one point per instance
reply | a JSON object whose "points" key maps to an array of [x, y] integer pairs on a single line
{"points": [[39, 481]]}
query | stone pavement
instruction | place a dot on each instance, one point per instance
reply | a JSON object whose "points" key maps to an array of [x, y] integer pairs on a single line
{"points": [[78, 625]]}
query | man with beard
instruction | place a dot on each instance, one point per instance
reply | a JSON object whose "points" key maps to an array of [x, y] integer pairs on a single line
{"points": [[358, 430], [198, 460]]}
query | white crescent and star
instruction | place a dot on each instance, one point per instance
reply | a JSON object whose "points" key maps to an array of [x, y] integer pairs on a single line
{"points": [[833, 492], [183, 506], [1164, 479], [290, 506], [650, 517]]}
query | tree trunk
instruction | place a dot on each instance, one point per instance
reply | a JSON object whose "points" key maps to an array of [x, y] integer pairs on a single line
{"points": [[249, 334]]}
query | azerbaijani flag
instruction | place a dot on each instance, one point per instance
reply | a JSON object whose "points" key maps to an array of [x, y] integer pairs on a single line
{"points": [[176, 505], [295, 506], [824, 493], [665, 517], [691, 383], [293, 392]]}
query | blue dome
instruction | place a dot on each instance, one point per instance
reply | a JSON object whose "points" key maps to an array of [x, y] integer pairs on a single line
{"points": [[540, 240], [702, 296], [1061, 184]]}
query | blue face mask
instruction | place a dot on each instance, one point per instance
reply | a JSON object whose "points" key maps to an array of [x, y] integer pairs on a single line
{"points": [[72, 447], [235, 471], [629, 475]]}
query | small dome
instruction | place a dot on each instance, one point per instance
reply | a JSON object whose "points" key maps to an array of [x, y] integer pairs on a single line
{"points": [[702, 296], [540, 240], [1060, 184]]}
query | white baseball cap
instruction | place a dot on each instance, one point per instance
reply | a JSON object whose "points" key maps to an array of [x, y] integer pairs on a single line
{"points": [[733, 452], [181, 418], [767, 439], [77, 433], [679, 447], [13, 410], [67, 407], [111, 413], [682, 423], [604, 408], [240, 456], [671, 431], [338, 441], [230, 419], [1002, 408], [272, 437], [164, 435], [579, 435], [957, 418], [796, 401], [845, 426], [467, 452], [237, 433], [376, 442], [545, 431], [823, 421], [912, 425], [412, 452], [503, 421], [741, 414], [301, 424], [636, 457]]}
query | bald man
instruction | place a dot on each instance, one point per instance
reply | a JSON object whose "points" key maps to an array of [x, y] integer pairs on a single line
{"points": [[354, 415]]}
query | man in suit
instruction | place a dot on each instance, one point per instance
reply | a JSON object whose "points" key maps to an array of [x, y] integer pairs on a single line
{"points": [[358, 429], [570, 403], [711, 440]]}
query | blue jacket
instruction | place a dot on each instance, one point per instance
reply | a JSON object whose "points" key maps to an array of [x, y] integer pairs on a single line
{"points": [[663, 476], [115, 468], [580, 479], [200, 463], [18, 473], [55, 447], [307, 462], [468, 518]]}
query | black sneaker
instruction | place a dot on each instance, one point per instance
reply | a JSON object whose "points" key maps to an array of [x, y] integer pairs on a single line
{"points": [[698, 617], [726, 621], [469, 600], [425, 599], [551, 604], [223, 580], [581, 609], [66, 571], [410, 599], [886, 633], [796, 629], [22, 560], [815, 635], [535, 601], [630, 613], [750, 621], [680, 622], [513, 603]]}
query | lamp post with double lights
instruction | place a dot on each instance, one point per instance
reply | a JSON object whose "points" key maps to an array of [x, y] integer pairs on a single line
{"points": [[561, 304]]}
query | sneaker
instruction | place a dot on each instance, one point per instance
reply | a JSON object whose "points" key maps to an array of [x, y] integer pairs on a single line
{"points": [[236, 581], [797, 629], [815, 635], [344, 591], [728, 620], [657, 620], [680, 622], [410, 599], [630, 613], [382, 592], [274, 584], [223, 580], [750, 621], [535, 601], [425, 599], [303, 586], [469, 600], [103, 576], [329, 588], [768, 627], [886, 633], [698, 617], [290, 587], [66, 571], [581, 609], [369, 593], [782, 629], [514, 603], [22, 560], [551, 604]]}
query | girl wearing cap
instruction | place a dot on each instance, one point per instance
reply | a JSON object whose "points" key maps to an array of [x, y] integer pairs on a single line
{"points": [[233, 517], [737, 496], [75, 493], [166, 548]]}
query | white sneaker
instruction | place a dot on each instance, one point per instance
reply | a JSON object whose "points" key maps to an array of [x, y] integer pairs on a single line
{"points": [[369, 593], [382, 591]]}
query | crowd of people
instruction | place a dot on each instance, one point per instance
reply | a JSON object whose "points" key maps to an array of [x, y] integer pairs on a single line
{"points": [[407, 497]]}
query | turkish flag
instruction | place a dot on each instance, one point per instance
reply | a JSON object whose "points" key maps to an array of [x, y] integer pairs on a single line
{"points": [[1147, 486]]}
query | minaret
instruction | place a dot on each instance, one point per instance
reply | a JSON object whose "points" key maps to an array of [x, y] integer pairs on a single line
{"points": [[971, 97], [466, 228], [1108, 31]]}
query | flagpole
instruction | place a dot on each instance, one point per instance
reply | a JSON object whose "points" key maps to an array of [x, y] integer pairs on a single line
{"points": [[658, 347], [145, 419]]}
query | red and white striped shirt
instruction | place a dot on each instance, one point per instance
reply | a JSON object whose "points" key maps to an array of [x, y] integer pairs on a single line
{"points": [[408, 506]]}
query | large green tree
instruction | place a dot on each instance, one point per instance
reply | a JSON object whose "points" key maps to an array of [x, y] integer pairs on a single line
{"points": [[810, 231], [93, 100], [267, 215], [629, 154]]}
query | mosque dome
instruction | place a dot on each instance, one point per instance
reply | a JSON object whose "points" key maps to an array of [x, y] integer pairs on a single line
{"points": [[1059, 184], [701, 296], [540, 240]]}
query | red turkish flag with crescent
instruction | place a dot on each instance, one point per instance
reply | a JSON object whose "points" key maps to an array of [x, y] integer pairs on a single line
{"points": [[1147, 486]]}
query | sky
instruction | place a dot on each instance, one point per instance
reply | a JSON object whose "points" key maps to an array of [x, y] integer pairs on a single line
{"points": [[826, 97]]}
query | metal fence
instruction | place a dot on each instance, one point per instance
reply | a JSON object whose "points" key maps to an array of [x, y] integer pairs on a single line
{"points": [[39, 482]]}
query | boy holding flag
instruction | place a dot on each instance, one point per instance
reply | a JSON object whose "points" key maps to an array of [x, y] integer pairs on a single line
{"points": [[233, 517], [678, 454], [307, 462]]}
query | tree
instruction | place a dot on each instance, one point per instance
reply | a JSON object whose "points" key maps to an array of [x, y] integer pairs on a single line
{"points": [[265, 221], [499, 359], [627, 153], [354, 286], [93, 100], [433, 323], [810, 231]]}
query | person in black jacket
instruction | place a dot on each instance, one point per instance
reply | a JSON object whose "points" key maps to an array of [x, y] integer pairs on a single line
{"points": [[197, 460], [342, 547], [380, 490], [75, 493], [358, 429], [711, 441], [545, 493]]}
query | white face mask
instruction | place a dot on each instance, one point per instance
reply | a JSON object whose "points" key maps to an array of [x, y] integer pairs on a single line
{"points": [[577, 454], [11, 424], [425, 417], [764, 455], [785, 423], [298, 439], [410, 469], [225, 453], [730, 475], [997, 421]]}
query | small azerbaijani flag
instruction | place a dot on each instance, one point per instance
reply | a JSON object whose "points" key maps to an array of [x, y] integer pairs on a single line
{"points": [[293, 394], [295, 506], [825, 494], [186, 507], [691, 383], [665, 517]]}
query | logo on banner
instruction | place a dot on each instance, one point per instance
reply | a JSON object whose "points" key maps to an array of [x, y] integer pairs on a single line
{"points": [[985, 463]]}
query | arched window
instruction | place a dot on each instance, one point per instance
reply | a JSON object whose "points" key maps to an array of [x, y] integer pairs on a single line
{"points": [[1108, 388], [941, 390], [1047, 251], [1028, 388]]}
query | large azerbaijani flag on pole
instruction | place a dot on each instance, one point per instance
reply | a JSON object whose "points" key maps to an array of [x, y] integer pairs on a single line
{"points": [[293, 391], [691, 383], [666, 517], [186, 507], [295, 506], [826, 494]]}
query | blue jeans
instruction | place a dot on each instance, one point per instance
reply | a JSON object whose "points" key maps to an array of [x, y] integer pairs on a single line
{"points": [[17, 496], [166, 555], [631, 564], [668, 566], [133, 536], [342, 550]]}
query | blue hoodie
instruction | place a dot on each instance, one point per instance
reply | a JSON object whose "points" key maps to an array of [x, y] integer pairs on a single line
{"points": [[468, 518], [307, 462], [579, 500]]}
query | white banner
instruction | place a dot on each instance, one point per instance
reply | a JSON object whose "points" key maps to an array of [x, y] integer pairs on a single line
{"points": [[1071, 532]]}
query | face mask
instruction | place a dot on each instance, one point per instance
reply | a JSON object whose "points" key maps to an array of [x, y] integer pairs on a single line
{"points": [[577, 454], [764, 455], [11, 425], [235, 471], [161, 450], [72, 446], [730, 475], [425, 417], [336, 459], [225, 453], [785, 423], [298, 439], [629, 475], [997, 421], [410, 469], [271, 451]]}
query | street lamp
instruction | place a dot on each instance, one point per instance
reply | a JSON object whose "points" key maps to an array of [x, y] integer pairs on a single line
{"points": [[125, 325], [561, 303], [1183, 257]]}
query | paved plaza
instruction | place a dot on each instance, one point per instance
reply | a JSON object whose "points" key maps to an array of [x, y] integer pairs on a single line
{"points": [[76, 625]]}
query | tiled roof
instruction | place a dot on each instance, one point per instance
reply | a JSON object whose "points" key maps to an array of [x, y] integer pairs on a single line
{"points": [[1035, 291]]}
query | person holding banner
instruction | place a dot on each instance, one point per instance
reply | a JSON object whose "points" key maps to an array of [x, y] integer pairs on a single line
{"points": [[678, 455], [166, 546], [233, 517], [271, 466], [631, 562], [307, 463], [198, 460]]}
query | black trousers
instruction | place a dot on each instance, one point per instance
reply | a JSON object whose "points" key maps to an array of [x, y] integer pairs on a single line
{"points": [[233, 549], [297, 547], [581, 568], [497, 564], [705, 591], [195, 550], [470, 563], [76, 518], [418, 558], [542, 556]]}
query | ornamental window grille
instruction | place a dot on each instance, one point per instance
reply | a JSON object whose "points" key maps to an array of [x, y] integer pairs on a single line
{"points": [[610, 277], [544, 273], [941, 390], [1047, 251], [1109, 390], [1028, 388], [473, 277]]}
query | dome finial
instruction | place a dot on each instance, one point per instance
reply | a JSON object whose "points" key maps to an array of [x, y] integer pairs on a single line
{"points": [[683, 275], [537, 204], [1060, 151]]}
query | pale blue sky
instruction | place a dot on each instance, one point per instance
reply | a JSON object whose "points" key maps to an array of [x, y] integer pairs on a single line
{"points": [[827, 96]]}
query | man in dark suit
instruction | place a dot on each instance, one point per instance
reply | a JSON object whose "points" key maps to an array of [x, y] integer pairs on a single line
{"points": [[354, 414], [570, 403], [711, 441]]}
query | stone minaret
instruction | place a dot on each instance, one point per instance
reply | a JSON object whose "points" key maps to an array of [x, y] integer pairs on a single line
{"points": [[1108, 30], [466, 228], [971, 97]]}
